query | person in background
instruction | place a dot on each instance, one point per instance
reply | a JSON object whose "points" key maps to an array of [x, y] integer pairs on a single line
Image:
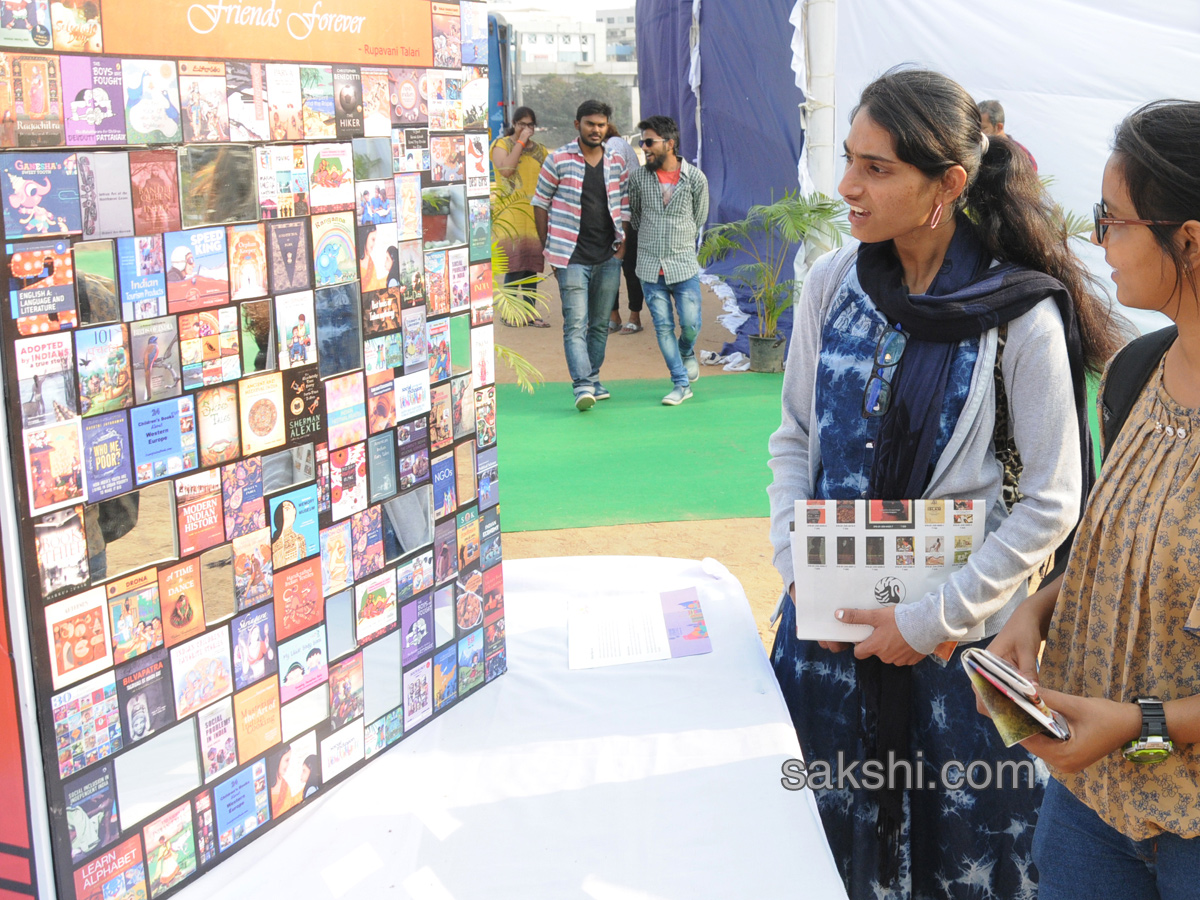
{"points": [[1121, 816], [518, 158], [633, 285], [668, 201], [991, 113], [581, 207]]}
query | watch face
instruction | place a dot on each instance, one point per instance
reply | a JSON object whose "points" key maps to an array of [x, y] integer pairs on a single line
{"points": [[1148, 753]]}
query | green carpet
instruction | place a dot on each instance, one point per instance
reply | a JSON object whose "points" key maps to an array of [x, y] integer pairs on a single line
{"points": [[630, 459]]}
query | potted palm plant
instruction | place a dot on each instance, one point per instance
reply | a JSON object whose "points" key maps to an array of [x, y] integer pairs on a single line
{"points": [[767, 236]]}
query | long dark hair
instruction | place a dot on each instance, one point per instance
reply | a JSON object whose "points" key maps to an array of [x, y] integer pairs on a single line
{"points": [[935, 125], [1156, 150]]}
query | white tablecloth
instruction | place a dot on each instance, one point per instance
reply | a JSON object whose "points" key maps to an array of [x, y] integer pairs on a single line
{"points": [[651, 780]]}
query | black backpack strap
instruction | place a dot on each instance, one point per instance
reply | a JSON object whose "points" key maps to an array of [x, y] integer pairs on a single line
{"points": [[1127, 375]]}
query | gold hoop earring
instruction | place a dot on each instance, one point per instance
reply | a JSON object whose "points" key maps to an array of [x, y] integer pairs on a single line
{"points": [[936, 218]]}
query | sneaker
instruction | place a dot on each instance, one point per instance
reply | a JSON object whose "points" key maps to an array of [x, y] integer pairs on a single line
{"points": [[692, 367], [677, 396], [601, 392], [585, 400]]}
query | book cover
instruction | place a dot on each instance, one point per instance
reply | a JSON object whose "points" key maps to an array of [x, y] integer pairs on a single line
{"points": [[491, 551], [445, 678], [76, 27], [375, 606], [201, 671], [253, 569], [282, 180], [105, 196], [448, 155], [462, 406], [218, 748], [254, 654], [493, 631], [135, 614], [154, 176], [302, 664], [322, 458], [87, 726], [468, 538], [413, 447], [199, 511], [376, 104], [144, 695], [156, 364], [342, 750], [46, 379], [345, 690], [79, 637], [475, 97], [493, 591], [408, 207], [447, 46], [441, 422], [347, 102], [409, 105], [218, 417], [304, 400], [27, 25], [474, 32], [93, 104], [91, 812], [336, 567], [367, 530], [348, 480], [197, 269], [479, 223], [242, 492], [416, 340], [181, 594], [334, 256], [445, 100], [204, 106], [381, 467], [217, 184], [481, 293], [404, 581], [437, 283], [345, 406], [418, 694], [289, 256], [378, 263], [383, 353], [41, 286], [331, 177], [257, 336], [416, 626], [316, 92], [247, 260], [384, 731], [105, 377], [37, 100], [298, 600], [439, 349], [410, 149], [375, 201], [294, 530], [412, 395], [151, 89], [483, 356], [164, 439], [294, 773], [458, 279], [284, 102], [470, 662], [260, 399], [61, 547], [142, 272], [381, 311], [206, 825], [468, 606], [246, 99], [460, 345], [96, 282], [170, 849], [445, 551], [241, 803], [487, 478], [53, 466], [117, 874], [339, 329], [209, 347], [295, 321]]}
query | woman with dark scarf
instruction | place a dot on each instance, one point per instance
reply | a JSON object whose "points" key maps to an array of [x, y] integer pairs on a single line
{"points": [[942, 355]]}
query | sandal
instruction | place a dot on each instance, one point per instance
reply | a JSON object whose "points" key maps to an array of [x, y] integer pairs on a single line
{"points": [[539, 322], [630, 328], [613, 327]]}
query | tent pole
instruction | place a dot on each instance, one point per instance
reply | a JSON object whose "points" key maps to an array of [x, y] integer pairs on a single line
{"points": [[820, 40]]}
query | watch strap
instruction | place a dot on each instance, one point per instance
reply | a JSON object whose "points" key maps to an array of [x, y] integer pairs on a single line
{"points": [[1154, 719]]}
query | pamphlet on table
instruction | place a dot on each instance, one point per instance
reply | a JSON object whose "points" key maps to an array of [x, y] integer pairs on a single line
{"points": [[612, 629]]}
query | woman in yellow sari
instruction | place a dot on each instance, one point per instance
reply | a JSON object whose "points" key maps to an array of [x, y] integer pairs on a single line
{"points": [[518, 159]]}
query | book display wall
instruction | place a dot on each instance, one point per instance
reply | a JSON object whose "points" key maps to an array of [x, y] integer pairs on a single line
{"points": [[249, 379]]}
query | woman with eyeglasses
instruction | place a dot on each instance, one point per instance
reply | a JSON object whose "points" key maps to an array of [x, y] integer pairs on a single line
{"points": [[1121, 816], [943, 354]]}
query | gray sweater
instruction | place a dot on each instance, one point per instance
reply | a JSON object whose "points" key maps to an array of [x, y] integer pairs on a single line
{"points": [[1037, 379]]}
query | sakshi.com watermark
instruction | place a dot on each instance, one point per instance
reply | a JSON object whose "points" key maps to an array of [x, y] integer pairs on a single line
{"points": [[907, 774]]}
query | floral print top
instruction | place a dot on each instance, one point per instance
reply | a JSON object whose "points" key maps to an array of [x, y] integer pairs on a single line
{"points": [[1127, 623]]}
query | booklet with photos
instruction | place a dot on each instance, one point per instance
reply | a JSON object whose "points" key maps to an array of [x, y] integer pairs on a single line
{"points": [[1011, 699]]}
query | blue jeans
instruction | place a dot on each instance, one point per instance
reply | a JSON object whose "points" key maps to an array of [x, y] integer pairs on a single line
{"points": [[1078, 854], [588, 294], [687, 300]]}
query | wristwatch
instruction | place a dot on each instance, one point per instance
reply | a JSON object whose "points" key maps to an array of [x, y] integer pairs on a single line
{"points": [[1153, 745]]}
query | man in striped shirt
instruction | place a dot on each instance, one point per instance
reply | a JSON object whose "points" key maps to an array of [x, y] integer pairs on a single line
{"points": [[580, 207]]}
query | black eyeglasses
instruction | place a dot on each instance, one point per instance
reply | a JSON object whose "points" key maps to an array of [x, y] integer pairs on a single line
{"points": [[1101, 220], [878, 395], [650, 142]]}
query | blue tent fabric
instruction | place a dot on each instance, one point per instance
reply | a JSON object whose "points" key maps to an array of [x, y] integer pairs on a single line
{"points": [[663, 29]]}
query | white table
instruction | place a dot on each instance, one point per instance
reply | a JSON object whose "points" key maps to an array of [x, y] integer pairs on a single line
{"points": [[651, 780]]}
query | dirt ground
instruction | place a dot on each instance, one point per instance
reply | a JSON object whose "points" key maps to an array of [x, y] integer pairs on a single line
{"points": [[742, 545]]}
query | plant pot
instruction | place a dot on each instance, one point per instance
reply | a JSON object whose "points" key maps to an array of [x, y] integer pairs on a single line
{"points": [[766, 353], [434, 226]]}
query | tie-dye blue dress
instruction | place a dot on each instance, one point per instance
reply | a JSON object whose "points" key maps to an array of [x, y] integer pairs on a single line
{"points": [[957, 843]]}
